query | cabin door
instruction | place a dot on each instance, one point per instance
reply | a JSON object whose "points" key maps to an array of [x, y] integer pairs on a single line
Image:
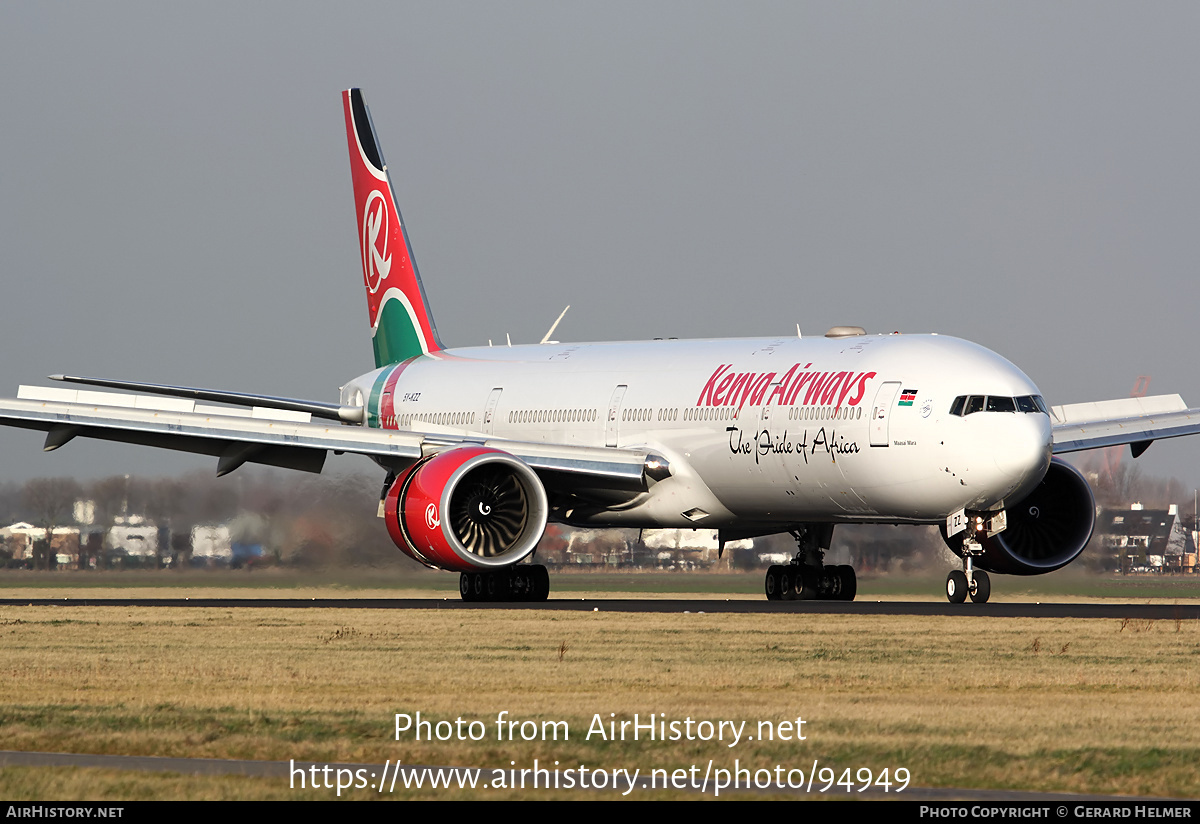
{"points": [[881, 412], [613, 420], [489, 411]]}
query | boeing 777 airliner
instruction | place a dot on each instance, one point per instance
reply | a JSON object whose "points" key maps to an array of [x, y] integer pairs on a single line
{"points": [[483, 446]]}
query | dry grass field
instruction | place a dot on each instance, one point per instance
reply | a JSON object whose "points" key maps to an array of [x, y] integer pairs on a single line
{"points": [[1095, 706]]}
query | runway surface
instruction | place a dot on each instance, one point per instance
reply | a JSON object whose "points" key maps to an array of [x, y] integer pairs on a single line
{"points": [[1153, 611]]}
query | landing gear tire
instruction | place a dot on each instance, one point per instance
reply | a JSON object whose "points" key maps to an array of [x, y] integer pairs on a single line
{"points": [[520, 584], [982, 589], [849, 583], [789, 584], [808, 584], [464, 587], [541, 583], [771, 583], [956, 586]]}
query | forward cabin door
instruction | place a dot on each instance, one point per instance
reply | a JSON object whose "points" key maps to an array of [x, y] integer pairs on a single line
{"points": [[614, 415], [489, 411], [881, 412]]}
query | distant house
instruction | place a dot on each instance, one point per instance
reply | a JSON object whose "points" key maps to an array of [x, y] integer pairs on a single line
{"points": [[1147, 540], [19, 538]]}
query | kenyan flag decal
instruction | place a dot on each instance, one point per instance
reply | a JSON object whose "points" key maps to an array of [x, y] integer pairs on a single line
{"points": [[907, 396]]}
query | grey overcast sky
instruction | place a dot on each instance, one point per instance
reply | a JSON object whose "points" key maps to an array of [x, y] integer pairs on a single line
{"points": [[175, 200]]}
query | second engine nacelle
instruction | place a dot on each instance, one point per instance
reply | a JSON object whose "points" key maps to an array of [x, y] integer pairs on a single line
{"points": [[1047, 530], [467, 509]]}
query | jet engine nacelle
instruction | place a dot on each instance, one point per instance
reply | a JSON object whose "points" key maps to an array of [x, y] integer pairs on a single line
{"points": [[1047, 530], [467, 509]]}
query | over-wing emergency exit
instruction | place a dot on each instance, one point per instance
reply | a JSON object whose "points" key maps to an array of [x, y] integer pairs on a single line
{"points": [[483, 446]]}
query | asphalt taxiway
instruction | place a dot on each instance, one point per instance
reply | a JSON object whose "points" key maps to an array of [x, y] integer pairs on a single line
{"points": [[1117, 610]]}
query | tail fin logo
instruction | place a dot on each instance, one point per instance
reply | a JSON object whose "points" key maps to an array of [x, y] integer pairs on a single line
{"points": [[377, 260]]}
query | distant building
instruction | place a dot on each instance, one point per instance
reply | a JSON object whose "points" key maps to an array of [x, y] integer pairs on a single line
{"points": [[19, 538], [133, 537], [1147, 540], [211, 544], [688, 548]]}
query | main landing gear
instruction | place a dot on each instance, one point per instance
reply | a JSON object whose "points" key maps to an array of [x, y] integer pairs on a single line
{"points": [[796, 582], [521, 582], [968, 581], [807, 577]]}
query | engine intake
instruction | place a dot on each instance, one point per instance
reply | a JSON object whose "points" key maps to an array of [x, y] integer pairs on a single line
{"points": [[1047, 530], [467, 509]]}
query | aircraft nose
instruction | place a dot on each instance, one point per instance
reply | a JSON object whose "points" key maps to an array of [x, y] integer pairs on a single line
{"points": [[1024, 454]]}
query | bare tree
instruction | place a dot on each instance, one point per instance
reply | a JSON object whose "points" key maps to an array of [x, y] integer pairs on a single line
{"points": [[51, 500]]}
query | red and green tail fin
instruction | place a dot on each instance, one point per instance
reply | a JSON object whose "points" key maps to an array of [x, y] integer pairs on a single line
{"points": [[401, 324]]}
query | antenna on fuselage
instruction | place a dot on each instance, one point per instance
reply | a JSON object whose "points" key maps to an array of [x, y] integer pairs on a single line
{"points": [[553, 326], [798, 331]]}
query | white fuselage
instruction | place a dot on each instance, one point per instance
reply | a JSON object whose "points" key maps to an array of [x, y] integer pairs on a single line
{"points": [[757, 431]]}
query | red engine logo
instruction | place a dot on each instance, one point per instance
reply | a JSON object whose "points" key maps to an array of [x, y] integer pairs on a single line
{"points": [[432, 521]]}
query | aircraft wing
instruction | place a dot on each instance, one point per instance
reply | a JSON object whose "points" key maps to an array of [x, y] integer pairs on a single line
{"points": [[1134, 421], [288, 438]]}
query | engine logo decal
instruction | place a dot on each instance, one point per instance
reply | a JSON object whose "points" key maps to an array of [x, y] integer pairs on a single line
{"points": [[431, 517]]}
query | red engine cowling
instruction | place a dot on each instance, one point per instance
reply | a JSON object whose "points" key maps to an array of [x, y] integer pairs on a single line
{"points": [[467, 509], [1047, 530]]}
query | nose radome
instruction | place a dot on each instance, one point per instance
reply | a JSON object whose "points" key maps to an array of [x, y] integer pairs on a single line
{"points": [[1024, 453]]}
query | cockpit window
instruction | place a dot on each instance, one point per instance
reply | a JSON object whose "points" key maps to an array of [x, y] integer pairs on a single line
{"points": [[969, 404]]}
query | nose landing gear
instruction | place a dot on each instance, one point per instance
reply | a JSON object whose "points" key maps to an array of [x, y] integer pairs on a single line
{"points": [[968, 581]]}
